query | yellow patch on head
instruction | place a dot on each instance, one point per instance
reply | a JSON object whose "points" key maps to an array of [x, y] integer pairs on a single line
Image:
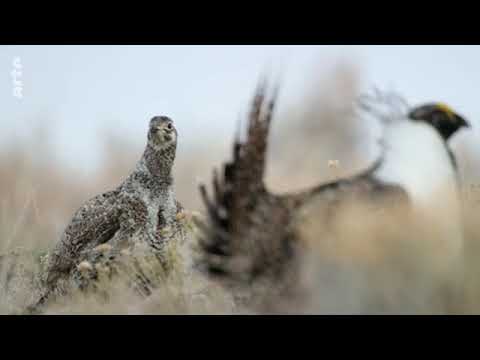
{"points": [[447, 110]]}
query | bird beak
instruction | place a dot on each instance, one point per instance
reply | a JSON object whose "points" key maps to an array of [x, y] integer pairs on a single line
{"points": [[462, 122]]}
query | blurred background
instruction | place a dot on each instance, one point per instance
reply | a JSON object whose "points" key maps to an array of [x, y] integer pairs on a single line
{"points": [[81, 123]]}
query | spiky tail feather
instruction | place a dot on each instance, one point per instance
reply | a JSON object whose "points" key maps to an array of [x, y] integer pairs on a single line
{"points": [[248, 235]]}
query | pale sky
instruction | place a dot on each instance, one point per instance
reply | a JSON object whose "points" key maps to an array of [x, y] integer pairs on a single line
{"points": [[82, 91]]}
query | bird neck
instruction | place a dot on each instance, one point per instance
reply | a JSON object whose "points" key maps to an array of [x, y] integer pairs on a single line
{"points": [[416, 158], [159, 162]]}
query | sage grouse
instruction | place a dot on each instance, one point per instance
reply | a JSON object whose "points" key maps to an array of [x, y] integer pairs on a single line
{"points": [[135, 212], [251, 238]]}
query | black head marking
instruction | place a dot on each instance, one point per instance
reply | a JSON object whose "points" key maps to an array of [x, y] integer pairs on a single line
{"points": [[441, 117]]}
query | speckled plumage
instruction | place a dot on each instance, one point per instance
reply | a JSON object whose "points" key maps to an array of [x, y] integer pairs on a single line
{"points": [[134, 213]]}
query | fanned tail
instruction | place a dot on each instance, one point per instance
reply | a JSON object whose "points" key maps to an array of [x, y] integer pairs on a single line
{"points": [[247, 234]]}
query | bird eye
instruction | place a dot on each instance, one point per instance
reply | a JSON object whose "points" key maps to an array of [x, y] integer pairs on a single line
{"points": [[169, 126]]}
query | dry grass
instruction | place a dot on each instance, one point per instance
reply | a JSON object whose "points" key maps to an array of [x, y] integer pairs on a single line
{"points": [[395, 261], [376, 265]]}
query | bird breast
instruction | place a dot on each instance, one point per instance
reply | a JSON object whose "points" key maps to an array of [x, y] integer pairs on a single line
{"points": [[162, 202], [417, 158]]}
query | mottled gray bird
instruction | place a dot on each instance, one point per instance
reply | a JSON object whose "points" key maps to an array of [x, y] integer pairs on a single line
{"points": [[252, 235], [135, 212]]}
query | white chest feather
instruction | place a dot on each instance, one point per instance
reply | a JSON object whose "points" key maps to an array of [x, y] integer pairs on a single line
{"points": [[417, 159]]}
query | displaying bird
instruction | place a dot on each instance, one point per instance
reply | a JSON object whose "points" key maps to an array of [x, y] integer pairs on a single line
{"points": [[249, 236], [133, 213], [252, 238]]}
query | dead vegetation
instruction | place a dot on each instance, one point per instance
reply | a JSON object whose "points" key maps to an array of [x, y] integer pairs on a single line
{"points": [[378, 265]]}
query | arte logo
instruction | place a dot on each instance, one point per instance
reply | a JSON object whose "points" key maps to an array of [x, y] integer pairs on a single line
{"points": [[17, 78]]}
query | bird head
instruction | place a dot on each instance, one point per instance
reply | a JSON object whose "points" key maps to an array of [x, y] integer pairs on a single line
{"points": [[162, 132], [441, 117]]}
